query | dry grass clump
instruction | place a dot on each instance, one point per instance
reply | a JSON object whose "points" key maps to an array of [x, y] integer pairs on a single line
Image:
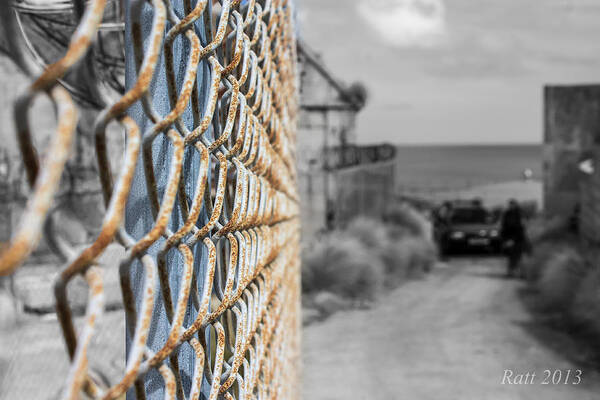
{"points": [[343, 265], [371, 232], [405, 220], [564, 281], [357, 263], [535, 265], [549, 239], [407, 258], [560, 279], [585, 307]]}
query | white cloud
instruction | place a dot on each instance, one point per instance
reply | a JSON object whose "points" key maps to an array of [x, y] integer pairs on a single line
{"points": [[406, 23]]}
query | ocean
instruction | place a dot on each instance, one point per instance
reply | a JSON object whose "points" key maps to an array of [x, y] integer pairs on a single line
{"points": [[456, 167]]}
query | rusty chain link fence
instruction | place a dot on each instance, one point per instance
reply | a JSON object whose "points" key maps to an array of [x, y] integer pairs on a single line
{"points": [[204, 203]]}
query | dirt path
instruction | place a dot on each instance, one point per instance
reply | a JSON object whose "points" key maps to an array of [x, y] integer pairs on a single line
{"points": [[449, 336]]}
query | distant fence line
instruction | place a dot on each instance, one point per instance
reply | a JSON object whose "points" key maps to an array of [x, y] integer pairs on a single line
{"points": [[354, 181], [350, 155], [364, 190], [361, 184]]}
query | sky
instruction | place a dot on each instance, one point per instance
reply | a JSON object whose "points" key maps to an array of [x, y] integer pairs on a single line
{"points": [[454, 71]]}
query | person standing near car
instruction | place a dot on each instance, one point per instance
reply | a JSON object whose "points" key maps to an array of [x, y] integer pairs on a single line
{"points": [[442, 215], [512, 232], [441, 224]]}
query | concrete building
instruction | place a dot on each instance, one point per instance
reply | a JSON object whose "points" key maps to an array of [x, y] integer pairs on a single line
{"points": [[327, 118], [571, 150], [338, 179]]}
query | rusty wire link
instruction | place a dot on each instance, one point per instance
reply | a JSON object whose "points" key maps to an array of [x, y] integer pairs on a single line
{"points": [[244, 337], [28, 233]]}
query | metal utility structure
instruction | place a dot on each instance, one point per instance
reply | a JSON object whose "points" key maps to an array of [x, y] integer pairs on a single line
{"points": [[338, 179], [204, 198]]}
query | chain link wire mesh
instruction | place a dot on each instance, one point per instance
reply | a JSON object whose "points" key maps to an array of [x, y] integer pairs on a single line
{"points": [[235, 300]]}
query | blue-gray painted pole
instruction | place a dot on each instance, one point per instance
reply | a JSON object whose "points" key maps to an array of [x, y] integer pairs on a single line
{"points": [[138, 218]]}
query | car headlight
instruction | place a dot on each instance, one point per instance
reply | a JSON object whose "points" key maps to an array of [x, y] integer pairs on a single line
{"points": [[457, 235], [494, 233]]}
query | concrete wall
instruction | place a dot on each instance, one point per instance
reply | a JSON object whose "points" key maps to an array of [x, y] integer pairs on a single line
{"points": [[317, 130], [571, 129], [589, 189]]}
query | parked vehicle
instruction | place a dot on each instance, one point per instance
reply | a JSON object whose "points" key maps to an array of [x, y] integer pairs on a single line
{"points": [[462, 226]]}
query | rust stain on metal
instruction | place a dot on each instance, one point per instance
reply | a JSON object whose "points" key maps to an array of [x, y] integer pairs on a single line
{"points": [[46, 184]]}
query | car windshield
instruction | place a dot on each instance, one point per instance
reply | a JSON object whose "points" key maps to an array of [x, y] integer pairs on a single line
{"points": [[470, 216]]}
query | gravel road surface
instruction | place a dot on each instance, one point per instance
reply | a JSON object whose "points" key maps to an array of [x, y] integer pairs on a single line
{"points": [[448, 336]]}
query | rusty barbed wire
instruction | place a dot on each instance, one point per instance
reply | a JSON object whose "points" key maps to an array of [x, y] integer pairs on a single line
{"points": [[244, 335]]}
